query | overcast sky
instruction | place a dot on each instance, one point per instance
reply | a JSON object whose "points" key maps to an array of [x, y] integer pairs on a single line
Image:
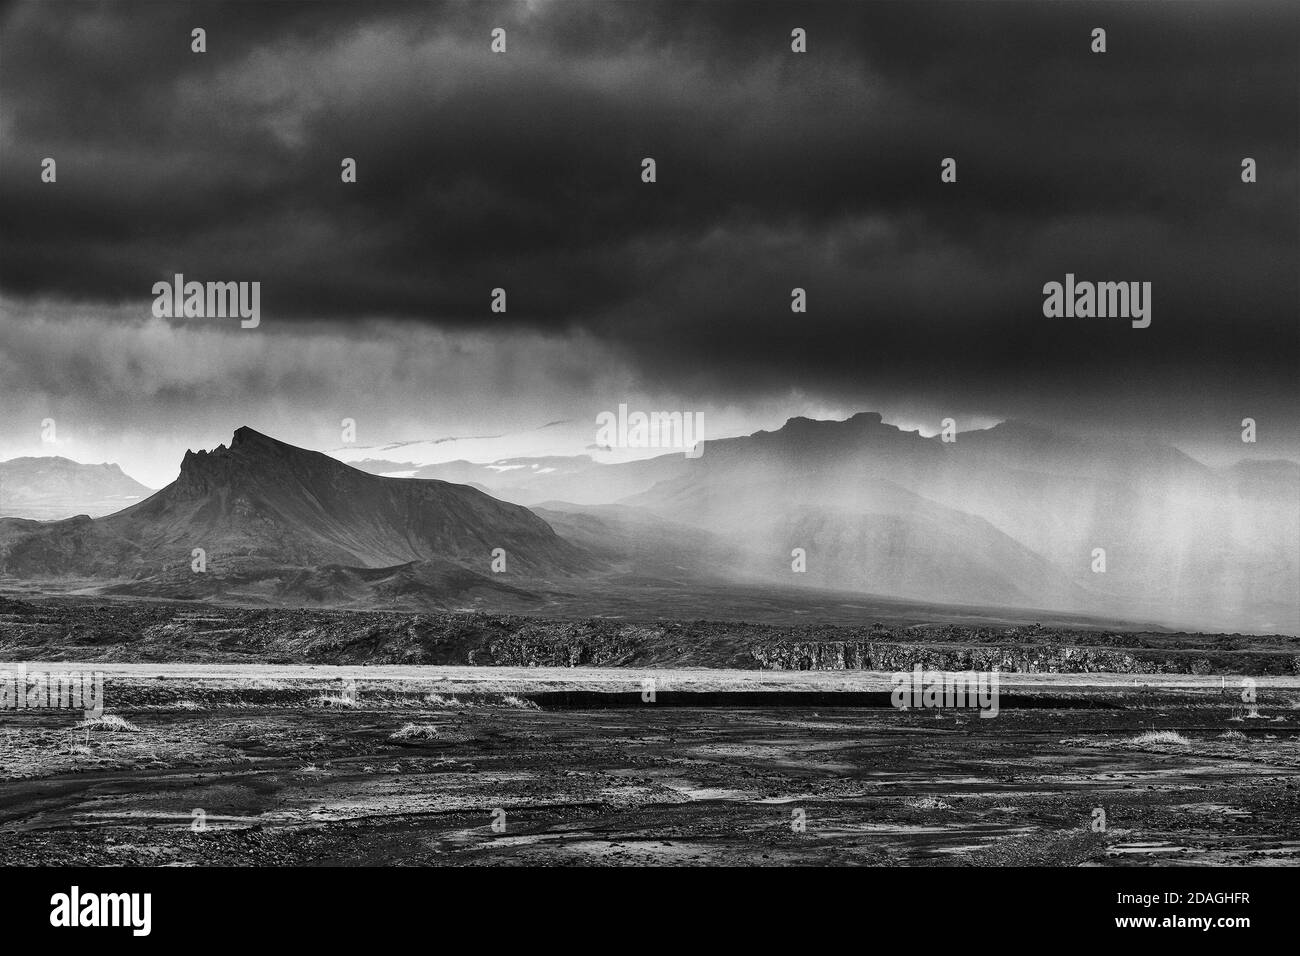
{"points": [[522, 170]]}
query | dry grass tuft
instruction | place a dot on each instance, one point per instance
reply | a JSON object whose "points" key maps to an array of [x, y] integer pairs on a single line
{"points": [[1162, 737], [415, 732], [109, 722]]}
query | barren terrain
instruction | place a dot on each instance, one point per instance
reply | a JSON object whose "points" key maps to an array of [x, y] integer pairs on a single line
{"points": [[414, 765]]}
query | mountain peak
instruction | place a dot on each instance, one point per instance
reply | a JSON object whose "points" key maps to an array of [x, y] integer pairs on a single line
{"points": [[263, 500], [245, 441], [245, 437], [250, 453], [858, 420], [867, 418], [829, 433]]}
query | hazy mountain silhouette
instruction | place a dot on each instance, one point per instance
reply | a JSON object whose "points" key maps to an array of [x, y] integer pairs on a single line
{"points": [[1008, 515], [53, 487]]}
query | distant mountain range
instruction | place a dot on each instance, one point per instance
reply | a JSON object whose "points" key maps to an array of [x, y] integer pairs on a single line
{"points": [[1008, 517], [48, 488]]}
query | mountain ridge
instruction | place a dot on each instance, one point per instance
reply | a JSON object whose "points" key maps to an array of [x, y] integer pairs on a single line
{"points": [[263, 507], [1012, 516]]}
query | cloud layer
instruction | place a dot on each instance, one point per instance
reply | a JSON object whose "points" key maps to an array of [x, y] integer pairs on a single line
{"points": [[775, 170]]}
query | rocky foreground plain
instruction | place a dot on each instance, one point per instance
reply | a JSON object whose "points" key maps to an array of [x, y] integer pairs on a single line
{"points": [[266, 765], [270, 737]]}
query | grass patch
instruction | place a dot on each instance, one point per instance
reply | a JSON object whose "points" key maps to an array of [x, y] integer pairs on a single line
{"points": [[415, 732], [512, 701], [1162, 737], [109, 722], [518, 703], [440, 700]]}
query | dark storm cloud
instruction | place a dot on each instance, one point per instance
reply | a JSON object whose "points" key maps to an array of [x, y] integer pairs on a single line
{"points": [[775, 170]]}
